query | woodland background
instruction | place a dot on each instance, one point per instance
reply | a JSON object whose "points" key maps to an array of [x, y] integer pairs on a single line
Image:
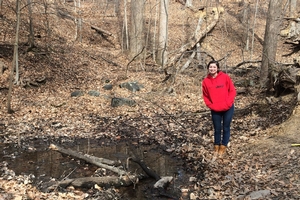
{"points": [[74, 57]]}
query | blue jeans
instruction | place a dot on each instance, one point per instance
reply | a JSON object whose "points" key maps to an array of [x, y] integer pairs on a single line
{"points": [[222, 118]]}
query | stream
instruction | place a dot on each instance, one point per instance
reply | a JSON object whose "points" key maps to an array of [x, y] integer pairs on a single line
{"points": [[34, 159]]}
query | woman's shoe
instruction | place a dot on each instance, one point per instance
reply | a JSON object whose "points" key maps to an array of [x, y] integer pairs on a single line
{"points": [[216, 149], [222, 150]]}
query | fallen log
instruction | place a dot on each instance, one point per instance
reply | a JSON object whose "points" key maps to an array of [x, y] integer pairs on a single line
{"points": [[90, 159], [89, 182], [100, 31], [124, 178], [97, 29], [146, 169], [198, 34], [161, 182]]}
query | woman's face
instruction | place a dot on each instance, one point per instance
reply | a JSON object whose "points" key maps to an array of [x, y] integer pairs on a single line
{"points": [[213, 70]]}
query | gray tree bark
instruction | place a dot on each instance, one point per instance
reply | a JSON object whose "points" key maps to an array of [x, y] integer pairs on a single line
{"points": [[15, 59], [31, 31], [293, 8], [1, 3], [136, 27], [189, 3], [274, 19], [162, 54], [294, 26]]}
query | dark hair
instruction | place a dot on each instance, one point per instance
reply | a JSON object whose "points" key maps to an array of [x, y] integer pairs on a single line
{"points": [[213, 62]]}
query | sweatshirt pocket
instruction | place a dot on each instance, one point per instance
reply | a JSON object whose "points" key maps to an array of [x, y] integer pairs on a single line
{"points": [[220, 106]]}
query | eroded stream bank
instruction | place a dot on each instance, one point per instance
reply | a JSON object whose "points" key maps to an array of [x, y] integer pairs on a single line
{"points": [[40, 165]]}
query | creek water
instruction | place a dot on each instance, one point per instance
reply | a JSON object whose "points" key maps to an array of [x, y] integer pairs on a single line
{"points": [[35, 158]]}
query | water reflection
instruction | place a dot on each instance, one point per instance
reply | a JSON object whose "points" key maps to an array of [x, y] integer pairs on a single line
{"points": [[45, 164]]}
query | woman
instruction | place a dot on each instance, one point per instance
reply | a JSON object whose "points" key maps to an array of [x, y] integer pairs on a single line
{"points": [[218, 94]]}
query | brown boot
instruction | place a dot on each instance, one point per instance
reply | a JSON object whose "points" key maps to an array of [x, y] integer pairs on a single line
{"points": [[222, 150], [216, 149]]}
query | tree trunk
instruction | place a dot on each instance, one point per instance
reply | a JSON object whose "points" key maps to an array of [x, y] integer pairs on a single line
{"points": [[294, 28], [125, 40], [46, 23], [1, 3], [270, 40], [253, 29], [155, 30], [245, 21], [15, 59], [79, 25], [293, 9], [195, 38], [162, 54], [136, 27], [31, 32], [189, 3]]}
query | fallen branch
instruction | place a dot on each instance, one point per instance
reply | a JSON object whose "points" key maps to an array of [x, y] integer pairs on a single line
{"points": [[295, 145], [124, 178], [198, 35], [245, 62], [58, 105], [89, 182], [127, 66], [188, 62], [97, 29], [95, 57], [146, 169], [161, 182], [100, 31], [90, 159]]}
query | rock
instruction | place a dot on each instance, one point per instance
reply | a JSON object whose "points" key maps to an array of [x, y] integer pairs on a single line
{"points": [[193, 196], [77, 93], [108, 87], [115, 102], [161, 183], [259, 194], [192, 179], [94, 93], [132, 86]]}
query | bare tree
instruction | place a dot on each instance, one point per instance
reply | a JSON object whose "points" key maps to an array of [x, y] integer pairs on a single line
{"points": [[274, 19], [155, 30], [293, 8], [46, 21], [78, 21], [1, 3], [31, 31], [136, 27], [125, 40], [294, 26], [15, 59], [245, 22], [253, 29], [163, 33]]}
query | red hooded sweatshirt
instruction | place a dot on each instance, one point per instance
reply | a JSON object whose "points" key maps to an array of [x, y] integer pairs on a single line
{"points": [[218, 92]]}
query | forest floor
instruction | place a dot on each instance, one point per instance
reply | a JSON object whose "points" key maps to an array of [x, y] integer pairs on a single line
{"points": [[260, 162]]}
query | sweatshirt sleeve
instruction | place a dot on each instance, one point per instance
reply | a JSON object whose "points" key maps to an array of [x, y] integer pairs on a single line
{"points": [[205, 95], [231, 91]]}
